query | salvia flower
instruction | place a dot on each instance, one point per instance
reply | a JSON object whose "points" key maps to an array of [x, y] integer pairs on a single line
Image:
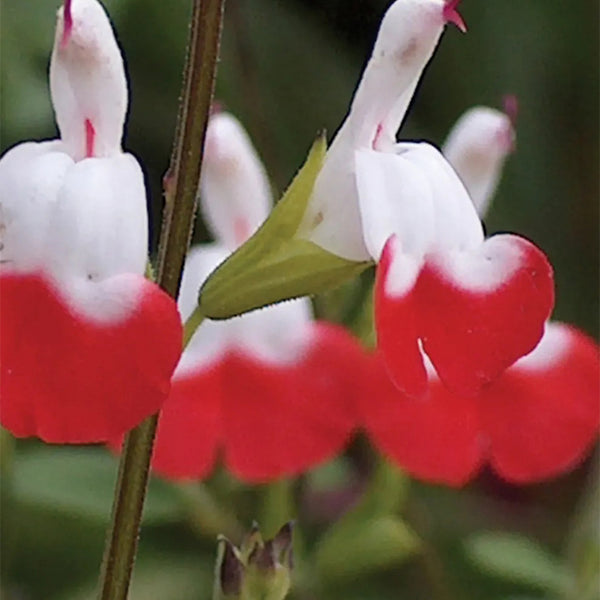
{"points": [[270, 389], [535, 421], [474, 306], [80, 326]]}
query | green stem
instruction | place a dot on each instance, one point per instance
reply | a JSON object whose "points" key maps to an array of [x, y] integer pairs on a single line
{"points": [[130, 491], [189, 328]]}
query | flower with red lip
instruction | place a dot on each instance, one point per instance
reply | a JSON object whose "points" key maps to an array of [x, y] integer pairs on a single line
{"points": [[474, 306], [80, 356], [273, 390], [535, 421]]}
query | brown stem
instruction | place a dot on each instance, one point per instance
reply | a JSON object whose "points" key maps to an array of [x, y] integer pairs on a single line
{"points": [[198, 89]]}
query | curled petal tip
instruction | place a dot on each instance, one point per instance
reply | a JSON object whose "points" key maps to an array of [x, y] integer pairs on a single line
{"points": [[67, 23], [451, 15]]}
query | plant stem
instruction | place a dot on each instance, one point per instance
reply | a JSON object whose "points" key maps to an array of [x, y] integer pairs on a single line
{"points": [[198, 88]]}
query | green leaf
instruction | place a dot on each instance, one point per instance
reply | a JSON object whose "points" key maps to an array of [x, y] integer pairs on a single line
{"points": [[80, 481], [361, 547], [273, 265], [518, 559]]}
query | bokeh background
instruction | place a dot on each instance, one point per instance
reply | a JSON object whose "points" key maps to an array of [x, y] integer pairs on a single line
{"points": [[288, 70]]}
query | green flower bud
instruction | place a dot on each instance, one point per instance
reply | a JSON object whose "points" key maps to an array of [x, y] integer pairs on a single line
{"points": [[258, 570]]}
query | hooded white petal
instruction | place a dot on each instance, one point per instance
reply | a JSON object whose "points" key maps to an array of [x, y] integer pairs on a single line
{"points": [[395, 198], [235, 191], [457, 226], [477, 147], [87, 82], [408, 35], [31, 175], [99, 226]]}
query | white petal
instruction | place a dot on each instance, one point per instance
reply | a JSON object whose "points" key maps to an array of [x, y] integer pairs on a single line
{"points": [[211, 339], [201, 260], [31, 175], [332, 217], [277, 334], [395, 198], [552, 347], [477, 147], [409, 33], [235, 191], [87, 82], [457, 226], [99, 226]]}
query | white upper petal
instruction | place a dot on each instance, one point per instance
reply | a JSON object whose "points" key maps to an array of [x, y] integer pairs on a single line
{"points": [[99, 226], [457, 226], [31, 175], [409, 33], [87, 81], [235, 191], [477, 147], [395, 198]]}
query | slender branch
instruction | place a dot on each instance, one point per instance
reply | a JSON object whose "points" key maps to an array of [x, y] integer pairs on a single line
{"points": [[122, 538]]}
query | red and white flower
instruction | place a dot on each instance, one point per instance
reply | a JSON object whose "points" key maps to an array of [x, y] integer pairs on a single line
{"points": [[272, 390], [537, 420], [474, 306], [88, 345]]}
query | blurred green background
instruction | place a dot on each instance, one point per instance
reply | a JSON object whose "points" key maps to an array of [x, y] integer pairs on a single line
{"points": [[288, 70]]}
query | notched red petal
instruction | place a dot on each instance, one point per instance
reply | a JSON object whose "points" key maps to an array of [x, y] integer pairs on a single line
{"points": [[472, 335]]}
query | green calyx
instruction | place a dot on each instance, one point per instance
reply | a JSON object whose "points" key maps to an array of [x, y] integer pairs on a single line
{"points": [[274, 265], [257, 570]]}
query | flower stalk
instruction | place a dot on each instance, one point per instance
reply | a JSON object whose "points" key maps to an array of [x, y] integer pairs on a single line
{"points": [[198, 89]]}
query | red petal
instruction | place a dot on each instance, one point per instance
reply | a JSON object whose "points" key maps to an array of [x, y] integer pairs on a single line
{"points": [[189, 428], [473, 334], [281, 420], [68, 379], [542, 422], [396, 324], [434, 438]]}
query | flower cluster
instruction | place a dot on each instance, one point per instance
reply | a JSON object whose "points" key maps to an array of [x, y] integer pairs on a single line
{"points": [[467, 369]]}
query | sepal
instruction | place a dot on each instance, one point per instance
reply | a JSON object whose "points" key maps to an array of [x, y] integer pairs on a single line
{"points": [[274, 265]]}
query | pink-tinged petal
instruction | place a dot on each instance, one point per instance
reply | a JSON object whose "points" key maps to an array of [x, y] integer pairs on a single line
{"points": [[480, 311], [281, 420], [67, 378], [396, 318], [543, 414], [477, 147], [189, 428], [451, 15], [435, 438], [235, 191], [407, 38], [87, 81]]}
